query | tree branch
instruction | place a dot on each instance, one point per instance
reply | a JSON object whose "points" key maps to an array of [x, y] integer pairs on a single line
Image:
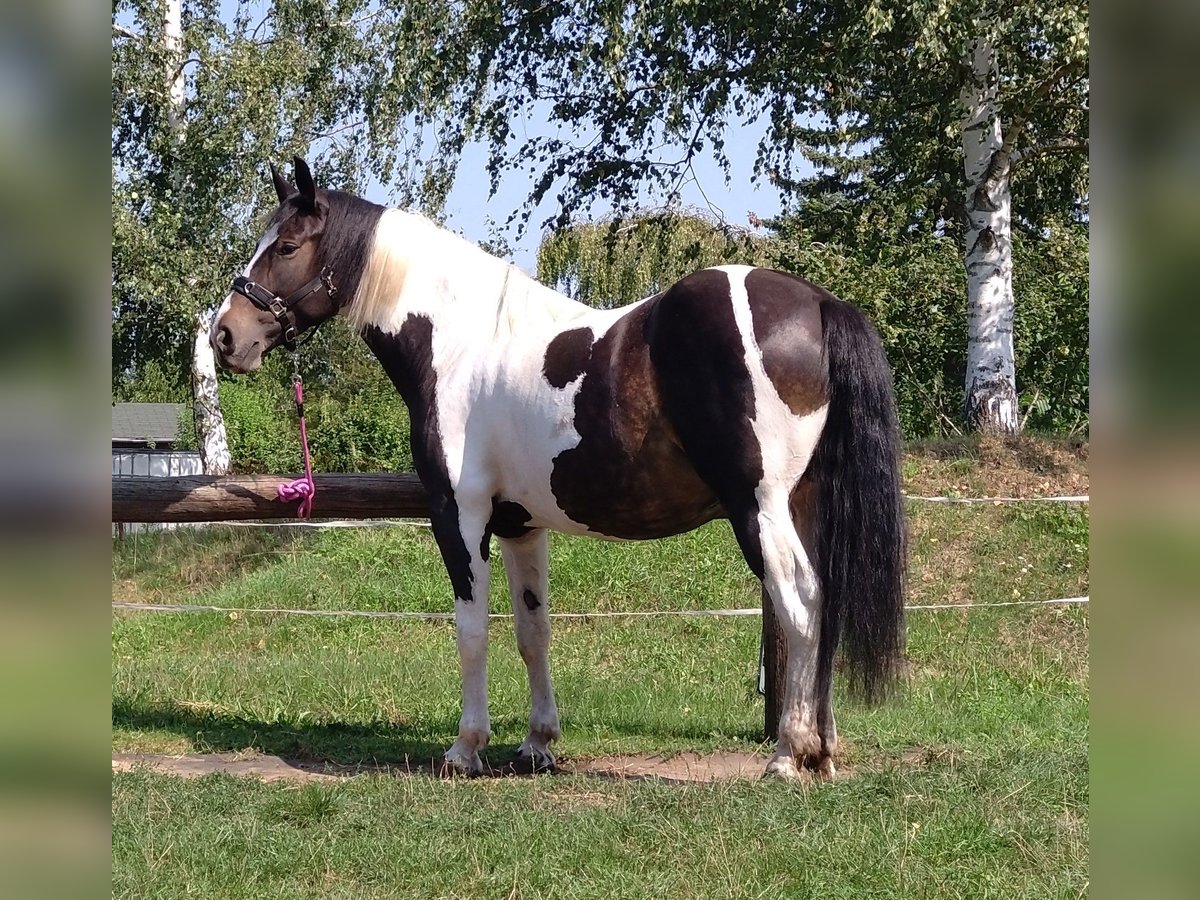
{"points": [[122, 32], [1043, 149], [1019, 120], [316, 26], [336, 131]]}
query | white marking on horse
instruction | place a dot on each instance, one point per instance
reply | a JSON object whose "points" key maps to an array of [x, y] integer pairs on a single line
{"points": [[267, 240], [787, 442], [501, 424]]}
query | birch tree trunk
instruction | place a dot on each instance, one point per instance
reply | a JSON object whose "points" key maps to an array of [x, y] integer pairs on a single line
{"points": [[206, 406], [991, 389], [206, 401]]}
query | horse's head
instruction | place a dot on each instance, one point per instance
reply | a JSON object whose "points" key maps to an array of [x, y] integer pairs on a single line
{"points": [[287, 288]]}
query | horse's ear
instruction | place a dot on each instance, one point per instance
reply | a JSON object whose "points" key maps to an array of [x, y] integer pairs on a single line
{"points": [[282, 189], [304, 181]]}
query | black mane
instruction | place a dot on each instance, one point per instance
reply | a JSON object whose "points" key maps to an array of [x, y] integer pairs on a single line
{"points": [[349, 236]]}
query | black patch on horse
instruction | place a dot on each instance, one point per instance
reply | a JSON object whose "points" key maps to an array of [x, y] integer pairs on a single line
{"points": [[407, 357], [507, 521], [708, 394], [531, 600], [627, 477], [567, 356], [786, 311]]}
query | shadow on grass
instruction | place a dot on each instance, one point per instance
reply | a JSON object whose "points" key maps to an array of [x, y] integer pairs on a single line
{"points": [[684, 736], [417, 749], [204, 557], [332, 742], [290, 750]]}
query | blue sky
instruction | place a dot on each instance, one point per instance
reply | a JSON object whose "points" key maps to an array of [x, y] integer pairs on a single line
{"points": [[469, 209]]}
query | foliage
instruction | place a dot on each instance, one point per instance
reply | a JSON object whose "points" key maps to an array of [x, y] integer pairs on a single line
{"points": [[614, 262], [914, 292], [865, 89], [1052, 328], [262, 437], [359, 86], [356, 421], [886, 133], [157, 382]]}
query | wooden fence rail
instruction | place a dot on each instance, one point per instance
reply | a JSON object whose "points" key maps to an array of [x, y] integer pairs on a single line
{"points": [[213, 498]]}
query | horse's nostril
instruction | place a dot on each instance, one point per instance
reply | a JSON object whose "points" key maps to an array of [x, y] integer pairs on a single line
{"points": [[223, 338]]}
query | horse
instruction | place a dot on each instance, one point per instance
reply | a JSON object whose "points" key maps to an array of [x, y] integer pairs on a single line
{"points": [[739, 392]]}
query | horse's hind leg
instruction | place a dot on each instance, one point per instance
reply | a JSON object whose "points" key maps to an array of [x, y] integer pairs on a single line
{"points": [[526, 564], [791, 581], [803, 504]]}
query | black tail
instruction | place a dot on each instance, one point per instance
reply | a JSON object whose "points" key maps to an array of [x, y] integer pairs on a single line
{"points": [[861, 533]]}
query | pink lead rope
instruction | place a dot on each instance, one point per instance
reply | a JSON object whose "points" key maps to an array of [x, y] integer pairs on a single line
{"points": [[301, 489]]}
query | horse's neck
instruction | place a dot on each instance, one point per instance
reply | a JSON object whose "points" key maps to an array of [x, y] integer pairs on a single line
{"points": [[420, 269], [452, 307]]}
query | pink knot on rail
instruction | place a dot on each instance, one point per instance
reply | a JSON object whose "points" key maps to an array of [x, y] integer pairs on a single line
{"points": [[301, 489]]}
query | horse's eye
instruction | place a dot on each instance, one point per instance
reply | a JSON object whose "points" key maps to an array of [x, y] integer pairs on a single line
{"points": [[286, 249]]}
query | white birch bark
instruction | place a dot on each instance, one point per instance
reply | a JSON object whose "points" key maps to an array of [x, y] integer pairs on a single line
{"points": [[206, 406], [206, 401], [991, 391], [173, 43]]}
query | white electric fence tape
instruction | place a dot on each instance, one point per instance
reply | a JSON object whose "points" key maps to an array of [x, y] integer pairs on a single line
{"points": [[446, 616]]}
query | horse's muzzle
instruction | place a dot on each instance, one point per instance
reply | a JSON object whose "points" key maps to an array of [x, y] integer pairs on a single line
{"points": [[239, 360]]}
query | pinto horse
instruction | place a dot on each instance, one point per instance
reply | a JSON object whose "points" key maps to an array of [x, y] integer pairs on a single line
{"points": [[741, 393]]}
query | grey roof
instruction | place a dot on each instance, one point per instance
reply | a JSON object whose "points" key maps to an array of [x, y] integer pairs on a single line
{"points": [[146, 422]]}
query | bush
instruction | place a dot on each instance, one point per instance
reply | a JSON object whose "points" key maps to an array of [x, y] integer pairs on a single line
{"points": [[262, 435], [367, 432], [916, 295]]}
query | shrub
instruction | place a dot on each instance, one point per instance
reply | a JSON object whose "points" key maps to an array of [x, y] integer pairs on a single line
{"points": [[366, 432]]}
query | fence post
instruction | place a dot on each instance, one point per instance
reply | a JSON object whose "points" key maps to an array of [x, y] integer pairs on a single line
{"points": [[774, 664]]}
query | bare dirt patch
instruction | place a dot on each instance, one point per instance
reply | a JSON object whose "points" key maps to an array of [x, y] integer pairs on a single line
{"points": [[680, 767]]}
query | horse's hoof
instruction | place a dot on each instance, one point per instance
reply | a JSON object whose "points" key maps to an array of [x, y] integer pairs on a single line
{"points": [[784, 768], [824, 769], [540, 758], [460, 761]]}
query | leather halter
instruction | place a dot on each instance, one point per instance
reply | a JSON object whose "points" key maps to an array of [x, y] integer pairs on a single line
{"points": [[280, 307]]}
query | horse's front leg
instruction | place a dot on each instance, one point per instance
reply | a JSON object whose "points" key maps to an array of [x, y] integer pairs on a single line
{"points": [[526, 562], [459, 530]]}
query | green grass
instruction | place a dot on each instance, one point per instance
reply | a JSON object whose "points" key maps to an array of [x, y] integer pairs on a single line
{"points": [[950, 828], [972, 783]]}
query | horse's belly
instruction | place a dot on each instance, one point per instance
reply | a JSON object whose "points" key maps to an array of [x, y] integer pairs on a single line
{"points": [[651, 491]]}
